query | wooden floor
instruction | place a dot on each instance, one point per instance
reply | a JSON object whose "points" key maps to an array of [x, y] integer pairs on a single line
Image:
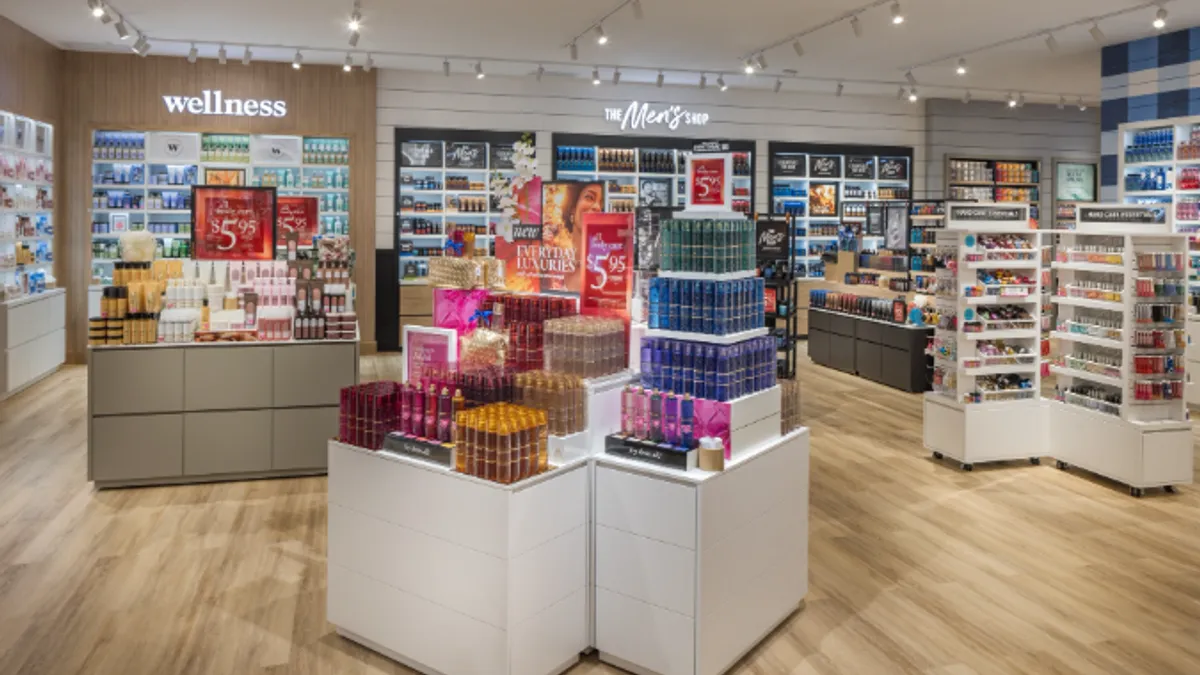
{"points": [[916, 567]]}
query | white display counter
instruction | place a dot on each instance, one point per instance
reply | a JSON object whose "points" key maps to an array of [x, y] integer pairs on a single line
{"points": [[32, 339], [455, 575]]}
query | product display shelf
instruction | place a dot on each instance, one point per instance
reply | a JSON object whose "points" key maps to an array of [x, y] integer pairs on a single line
{"points": [[996, 179], [694, 568], [986, 404], [1121, 408], [793, 174], [651, 176], [26, 204], [1158, 165], [32, 339], [186, 413], [131, 164]]}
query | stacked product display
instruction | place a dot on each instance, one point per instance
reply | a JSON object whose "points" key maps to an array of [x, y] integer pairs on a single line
{"points": [[987, 341], [141, 182], [995, 180], [26, 206], [1121, 376]]}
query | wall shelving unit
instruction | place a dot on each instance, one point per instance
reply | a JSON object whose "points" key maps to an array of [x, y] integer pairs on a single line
{"points": [[26, 198], [1000, 180]]}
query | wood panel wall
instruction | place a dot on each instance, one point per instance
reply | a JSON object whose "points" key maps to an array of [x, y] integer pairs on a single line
{"points": [[124, 92]]}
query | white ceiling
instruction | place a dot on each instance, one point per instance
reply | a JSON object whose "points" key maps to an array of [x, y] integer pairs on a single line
{"points": [[683, 34]]}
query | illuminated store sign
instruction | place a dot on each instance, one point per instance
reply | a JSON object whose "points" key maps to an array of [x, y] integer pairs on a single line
{"points": [[642, 116], [212, 103]]}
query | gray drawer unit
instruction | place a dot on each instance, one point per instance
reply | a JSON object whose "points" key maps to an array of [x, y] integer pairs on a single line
{"points": [[874, 350], [840, 324], [866, 359], [818, 346], [871, 331], [192, 413]]}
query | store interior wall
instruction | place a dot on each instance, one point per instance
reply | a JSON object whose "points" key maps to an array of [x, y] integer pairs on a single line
{"points": [[1155, 78], [991, 130], [125, 92]]}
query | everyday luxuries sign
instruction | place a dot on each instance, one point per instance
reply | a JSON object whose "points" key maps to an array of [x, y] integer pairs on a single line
{"points": [[643, 116], [214, 103]]}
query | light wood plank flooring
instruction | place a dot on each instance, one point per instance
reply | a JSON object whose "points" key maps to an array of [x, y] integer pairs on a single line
{"points": [[916, 567]]}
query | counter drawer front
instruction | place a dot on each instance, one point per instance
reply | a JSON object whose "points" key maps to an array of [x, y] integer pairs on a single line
{"points": [[136, 381], [227, 378], [136, 447], [842, 325], [226, 442], [654, 638], [313, 374], [818, 346], [908, 339], [645, 569], [869, 330], [818, 319], [301, 437], [650, 507]]}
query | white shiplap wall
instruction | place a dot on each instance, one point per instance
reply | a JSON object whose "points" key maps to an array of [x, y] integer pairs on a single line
{"points": [[563, 105], [992, 130]]}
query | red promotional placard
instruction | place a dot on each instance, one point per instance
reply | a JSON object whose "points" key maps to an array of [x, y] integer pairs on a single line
{"points": [[299, 215], [608, 266], [233, 223], [710, 182]]}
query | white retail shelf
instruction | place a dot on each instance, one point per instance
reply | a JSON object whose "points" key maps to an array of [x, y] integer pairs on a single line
{"points": [[710, 276], [1088, 267], [732, 338], [1004, 265], [1088, 303], [1087, 339], [1003, 334], [1085, 375], [1001, 299], [1001, 370]]}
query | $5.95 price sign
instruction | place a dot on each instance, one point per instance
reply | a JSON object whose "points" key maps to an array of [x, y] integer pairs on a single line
{"points": [[709, 182], [233, 223], [299, 215], [608, 273]]}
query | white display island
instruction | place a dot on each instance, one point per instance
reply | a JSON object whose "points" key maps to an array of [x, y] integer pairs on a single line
{"points": [[454, 575], [693, 569], [32, 339]]}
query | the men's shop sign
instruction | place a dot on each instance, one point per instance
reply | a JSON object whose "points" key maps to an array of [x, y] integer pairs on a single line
{"points": [[824, 167], [212, 102], [644, 116]]}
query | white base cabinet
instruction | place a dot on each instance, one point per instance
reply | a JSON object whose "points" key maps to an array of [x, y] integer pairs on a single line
{"points": [[32, 339], [973, 433]]}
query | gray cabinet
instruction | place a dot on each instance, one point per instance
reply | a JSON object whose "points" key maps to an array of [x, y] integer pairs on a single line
{"points": [[874, 350]]}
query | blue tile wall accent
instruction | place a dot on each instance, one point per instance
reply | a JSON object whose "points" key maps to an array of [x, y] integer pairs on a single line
{"points": [[1172, 104], [1174, 48], [1194, 102], [1114, 60], [1143, 54], [1113, 114], [1108, 170], [1143, 108]]}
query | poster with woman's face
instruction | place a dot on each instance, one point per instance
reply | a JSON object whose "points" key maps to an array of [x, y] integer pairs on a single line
{"points": [[563, 205]]}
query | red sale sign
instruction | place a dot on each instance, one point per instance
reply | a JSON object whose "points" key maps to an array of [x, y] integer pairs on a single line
{"points": [[298, 214], [710, 182], [233, 223], [608, 267]]}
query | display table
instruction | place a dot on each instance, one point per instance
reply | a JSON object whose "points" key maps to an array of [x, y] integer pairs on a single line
{"points": [[181, 413], [450, 574], [693, 569], [880, 351], [32, 339]]}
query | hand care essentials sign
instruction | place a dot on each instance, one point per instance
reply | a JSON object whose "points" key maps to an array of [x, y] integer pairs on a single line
{"points": [[212, 103]]}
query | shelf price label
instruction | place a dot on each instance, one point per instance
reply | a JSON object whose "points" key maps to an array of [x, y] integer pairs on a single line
{"points": [[299, 215], [233, 223]]}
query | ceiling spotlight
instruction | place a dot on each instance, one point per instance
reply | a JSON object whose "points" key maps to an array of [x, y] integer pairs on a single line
{"points": [[778, 85], [962, 67], [479, 74], [1081, 104], [355, 23], [658, 81], [637, 10], [221, 57], [703, 81], [348, 64], [142, 46], [106, 17], [1051, 43], [761, 61], [97, 8], [446, 67], [596, 77], [122, 30], [856, 25], [540, 72], [721, 82], [246, 56], [1062, 102], [912, 95], [297, 60], [1021, 101], [1012, 100], [574, 52], [749, 68], [616, 76], [966, 96], [1160, 18], [798, 48], [193, 53], [840, 88], [368, 64], [601, 38], [897, 15], [1097, 34], [912, 80]]}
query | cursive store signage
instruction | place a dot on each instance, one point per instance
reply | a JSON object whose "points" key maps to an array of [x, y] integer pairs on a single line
{"points": [[212, 102], [643, 116]]}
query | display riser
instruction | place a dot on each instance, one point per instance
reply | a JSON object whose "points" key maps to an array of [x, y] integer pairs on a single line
{"points": [[32, 340], [754, 420], [603, 418], [693, 569], [454, 575], [1137, 455], [977, 433]]}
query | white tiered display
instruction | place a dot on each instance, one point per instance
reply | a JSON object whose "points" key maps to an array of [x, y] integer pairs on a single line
{"points": [[1122, 330], [985, 406]]}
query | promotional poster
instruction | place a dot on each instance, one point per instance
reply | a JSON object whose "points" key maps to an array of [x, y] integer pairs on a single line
{"points": [[299, 215], [548, 259], [426, 348], [608, 264], [710, 182], [233, 223]]}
